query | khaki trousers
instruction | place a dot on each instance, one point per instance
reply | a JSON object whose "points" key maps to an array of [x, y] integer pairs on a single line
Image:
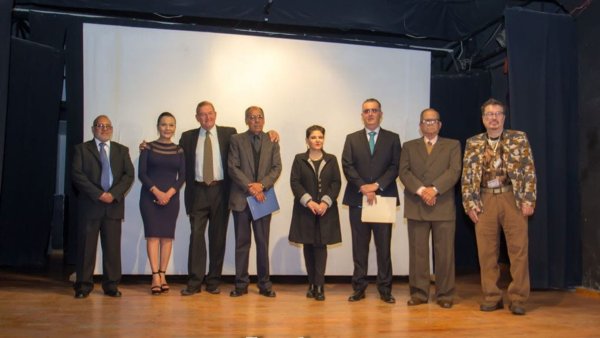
{"points": [[443, 253], [500, 212]]}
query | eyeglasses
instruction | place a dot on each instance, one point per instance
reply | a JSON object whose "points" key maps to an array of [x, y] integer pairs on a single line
{"points": [[430, 122], [490, 114], [256, 118], [104, 126], [374, 110]]}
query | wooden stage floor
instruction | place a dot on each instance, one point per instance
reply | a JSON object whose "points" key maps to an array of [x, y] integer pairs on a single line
{"points": [[37, 304]]}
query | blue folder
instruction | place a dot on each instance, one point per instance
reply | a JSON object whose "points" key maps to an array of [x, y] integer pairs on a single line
{"points": [[269, 206]]}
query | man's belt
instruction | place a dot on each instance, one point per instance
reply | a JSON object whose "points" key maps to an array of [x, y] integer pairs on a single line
{"points": [[211, 184], [496, 191]]}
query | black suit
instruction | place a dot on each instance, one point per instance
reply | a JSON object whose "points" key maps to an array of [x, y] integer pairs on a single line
{"points": [[203, 204], [361, 167], [98, 217]]}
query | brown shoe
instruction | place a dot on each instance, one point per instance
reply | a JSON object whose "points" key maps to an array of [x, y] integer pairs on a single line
{"points": [[517, 308], [413, 301], [487, 307]]}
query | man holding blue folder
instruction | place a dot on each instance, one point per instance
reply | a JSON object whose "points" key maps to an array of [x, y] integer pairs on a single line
{"points": [[254, 164]]}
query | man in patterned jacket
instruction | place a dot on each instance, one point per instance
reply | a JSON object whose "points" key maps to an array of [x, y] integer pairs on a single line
{"points": [[499, 191]]}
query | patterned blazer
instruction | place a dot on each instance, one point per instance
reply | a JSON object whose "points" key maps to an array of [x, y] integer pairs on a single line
{"points": [[516, 155]]}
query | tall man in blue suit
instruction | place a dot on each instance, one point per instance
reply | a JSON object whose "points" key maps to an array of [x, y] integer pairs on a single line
{"points": [[370, 162], [102, 173]]}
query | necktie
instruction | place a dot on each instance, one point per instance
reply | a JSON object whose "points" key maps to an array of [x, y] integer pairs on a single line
{"points": [[429, 147], [372, 141], [256, 143], [105, 177], [207, 166]]}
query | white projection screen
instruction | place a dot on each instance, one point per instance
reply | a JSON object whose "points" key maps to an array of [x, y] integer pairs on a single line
{"points": [[134, 74]]}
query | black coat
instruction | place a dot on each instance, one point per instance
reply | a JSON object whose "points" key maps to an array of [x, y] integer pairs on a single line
{"points": [[304, 180]]}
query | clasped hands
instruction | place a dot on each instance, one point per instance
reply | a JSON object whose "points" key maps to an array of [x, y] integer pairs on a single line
{"points": [[317, 208], [370, 190], [162, 198], [429, 196], [106, 197], [256, 189]]}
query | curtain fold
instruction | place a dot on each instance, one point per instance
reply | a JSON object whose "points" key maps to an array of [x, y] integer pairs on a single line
{"points": [[543, 103]]}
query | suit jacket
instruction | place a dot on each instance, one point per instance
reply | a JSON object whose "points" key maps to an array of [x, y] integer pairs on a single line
{"points": [[189, 142], [518, 159], [241, 167], [86, 170], [440, 169], [360, 167], [308, 185]]}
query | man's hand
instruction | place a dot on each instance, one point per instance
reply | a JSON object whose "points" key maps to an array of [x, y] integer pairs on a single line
{"points": [[273, 135], [260, 197], [371, 198], [255, 188], [368, 188], [474, 214], [106, 197], [527, 209], [429, 196], [143, 145]]}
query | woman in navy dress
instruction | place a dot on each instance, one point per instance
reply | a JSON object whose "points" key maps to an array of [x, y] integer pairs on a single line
{"points": [[162, 172], [315, 181]]}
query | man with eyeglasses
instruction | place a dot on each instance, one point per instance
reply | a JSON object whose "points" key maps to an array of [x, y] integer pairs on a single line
{"points": [[254, 165], [102, 173], [499, 192], [370, 163], [429, 169]]}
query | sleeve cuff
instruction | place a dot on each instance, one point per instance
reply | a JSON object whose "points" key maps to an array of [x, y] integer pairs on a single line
{"points": [[305, 199], [327, 200]]}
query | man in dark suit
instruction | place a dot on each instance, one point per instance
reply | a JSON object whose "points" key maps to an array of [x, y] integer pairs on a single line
{"points": [[206, 197], [370, 163], [102, 173], [254, 165], [429, 169]]}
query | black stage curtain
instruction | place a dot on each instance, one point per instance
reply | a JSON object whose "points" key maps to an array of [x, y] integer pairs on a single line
{"points": [[458, 97], [543, 103], [5, 13], [35, 87]]}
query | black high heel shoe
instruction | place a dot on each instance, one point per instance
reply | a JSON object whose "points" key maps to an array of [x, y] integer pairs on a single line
{"points": [[319, 292], [156, 289], [164, 287], [311, 291]]}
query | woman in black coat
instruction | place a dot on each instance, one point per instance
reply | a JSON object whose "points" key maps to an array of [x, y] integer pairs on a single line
{"points": [[315, 181]]}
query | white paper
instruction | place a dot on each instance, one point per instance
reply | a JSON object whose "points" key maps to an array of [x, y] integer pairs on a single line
{"points": [[384, 211]]}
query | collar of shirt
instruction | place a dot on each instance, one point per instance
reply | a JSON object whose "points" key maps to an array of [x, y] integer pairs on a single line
{"points": [[376, 130], [213, 131], [98, 144], [433, 140]]}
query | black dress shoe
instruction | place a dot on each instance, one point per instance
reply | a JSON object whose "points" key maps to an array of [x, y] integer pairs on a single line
{"points": [[487, 307], [388, 298], [517, 308], [356, 296], [319, 293], [267, 293], [311, 291], [213, 291], [446, 304], [113, 293], [81, 294], [189, 291], [415, 301], [238, 292]]}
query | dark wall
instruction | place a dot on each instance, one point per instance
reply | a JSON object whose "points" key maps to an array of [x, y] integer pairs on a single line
{"points": [[5, 13], [588, 30]]}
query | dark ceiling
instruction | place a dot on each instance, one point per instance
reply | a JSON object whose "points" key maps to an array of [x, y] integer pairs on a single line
{"points": [[460, 33]]}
